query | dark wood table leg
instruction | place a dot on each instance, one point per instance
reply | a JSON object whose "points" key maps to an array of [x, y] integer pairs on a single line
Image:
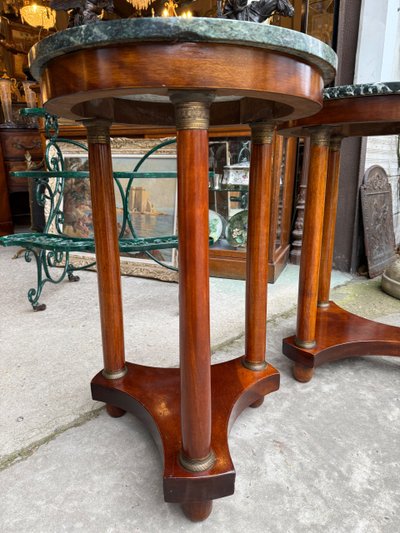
{"points": [[262, 136], [311, 249], [192, 120], [107, 251]]}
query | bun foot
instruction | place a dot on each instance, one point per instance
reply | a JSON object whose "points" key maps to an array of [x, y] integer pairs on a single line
{"points": [[257, 403], [302, 373], [114, 412], [197, 511]]}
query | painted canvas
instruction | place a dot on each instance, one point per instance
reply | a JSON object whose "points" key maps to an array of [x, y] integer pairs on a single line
{"points": [[151, 201]]}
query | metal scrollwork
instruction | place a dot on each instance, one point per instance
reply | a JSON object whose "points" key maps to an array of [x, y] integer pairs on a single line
{"points": [[51, 249]]}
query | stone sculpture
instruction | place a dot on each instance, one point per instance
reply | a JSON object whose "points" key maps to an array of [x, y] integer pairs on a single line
{"points": [[256, 11], [81, 11]]}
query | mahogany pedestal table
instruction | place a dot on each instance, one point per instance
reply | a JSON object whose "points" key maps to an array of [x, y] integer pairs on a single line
{"points": [[325, 332], [160, 72]]}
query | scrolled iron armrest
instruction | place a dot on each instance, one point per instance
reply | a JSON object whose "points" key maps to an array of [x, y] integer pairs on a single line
{"points": [[50, 121], [33, 112]]}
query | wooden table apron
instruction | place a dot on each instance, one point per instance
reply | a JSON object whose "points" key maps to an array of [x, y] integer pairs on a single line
{"points": [[325, 332], [189, 410]]}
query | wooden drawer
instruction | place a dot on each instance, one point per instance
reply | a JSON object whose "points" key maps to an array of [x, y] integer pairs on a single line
{"points": [[16, 184], [15, 145]]}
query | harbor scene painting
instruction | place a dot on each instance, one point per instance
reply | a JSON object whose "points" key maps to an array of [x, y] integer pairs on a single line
{"points": [[151, 202]]}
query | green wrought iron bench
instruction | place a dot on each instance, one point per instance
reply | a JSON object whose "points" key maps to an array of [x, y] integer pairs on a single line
{"points": [[52, 247]]}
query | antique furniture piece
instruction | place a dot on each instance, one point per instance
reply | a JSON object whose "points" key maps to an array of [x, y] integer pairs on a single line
{"points": [[188, 73], [68, 226], [325, 332], [229, 196], [17, 146]]}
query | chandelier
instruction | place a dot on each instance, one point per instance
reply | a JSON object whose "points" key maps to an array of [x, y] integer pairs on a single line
{"points": [[37, 14], [140, 4]]}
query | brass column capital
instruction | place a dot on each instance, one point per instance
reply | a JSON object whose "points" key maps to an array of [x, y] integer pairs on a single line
{"points": [[262, 132], [98, 130], [335, 143], [320, 136], [192, 109]]}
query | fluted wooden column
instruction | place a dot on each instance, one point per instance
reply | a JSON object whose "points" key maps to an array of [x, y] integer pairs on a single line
{"points": [[257, 245], [312, 239], [107, 250], [192, 119], [328, 239]]}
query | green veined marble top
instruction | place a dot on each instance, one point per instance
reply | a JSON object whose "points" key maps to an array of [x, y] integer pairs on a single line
{"points": [[121, 31], [362, 89]]}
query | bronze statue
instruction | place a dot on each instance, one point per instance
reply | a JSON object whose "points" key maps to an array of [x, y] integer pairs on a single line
{"points": [[83, 11], [256, 11]]}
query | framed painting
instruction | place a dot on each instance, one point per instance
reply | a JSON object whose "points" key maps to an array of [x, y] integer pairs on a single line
{"points": [[17, 39]]}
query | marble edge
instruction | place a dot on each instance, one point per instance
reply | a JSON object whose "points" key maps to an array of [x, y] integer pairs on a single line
{"points": [[120, 31], [362, 89]]}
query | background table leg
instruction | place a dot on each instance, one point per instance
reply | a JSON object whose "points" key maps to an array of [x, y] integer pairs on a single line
{"points": [[312, 239], [107, 250], [328, 239], [257, 246]]}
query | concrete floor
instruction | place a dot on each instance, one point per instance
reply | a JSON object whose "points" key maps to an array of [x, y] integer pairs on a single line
{"points": [[317, 457]]}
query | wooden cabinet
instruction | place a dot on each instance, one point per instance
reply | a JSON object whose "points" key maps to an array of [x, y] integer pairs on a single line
{"points": [[17, 146], [228, 260]]}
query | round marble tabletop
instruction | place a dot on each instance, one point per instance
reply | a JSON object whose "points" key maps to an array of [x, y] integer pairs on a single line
{"points": [[143, 60], [362, 89], [354, 110]]}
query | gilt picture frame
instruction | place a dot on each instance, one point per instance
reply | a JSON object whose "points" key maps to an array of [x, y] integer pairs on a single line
{"points": [[20, 38]]}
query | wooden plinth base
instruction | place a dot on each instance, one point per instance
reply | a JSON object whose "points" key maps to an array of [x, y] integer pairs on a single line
{"points": [[340, 334], [153, 395]]}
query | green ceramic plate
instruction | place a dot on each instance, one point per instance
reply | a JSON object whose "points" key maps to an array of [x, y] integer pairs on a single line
{"points": [[236, 230], [215, 225]]}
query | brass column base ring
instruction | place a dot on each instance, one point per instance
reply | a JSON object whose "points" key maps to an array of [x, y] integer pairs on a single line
{"points": [[307, 345], [197, 465], [115, 375], [261, 365]]}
